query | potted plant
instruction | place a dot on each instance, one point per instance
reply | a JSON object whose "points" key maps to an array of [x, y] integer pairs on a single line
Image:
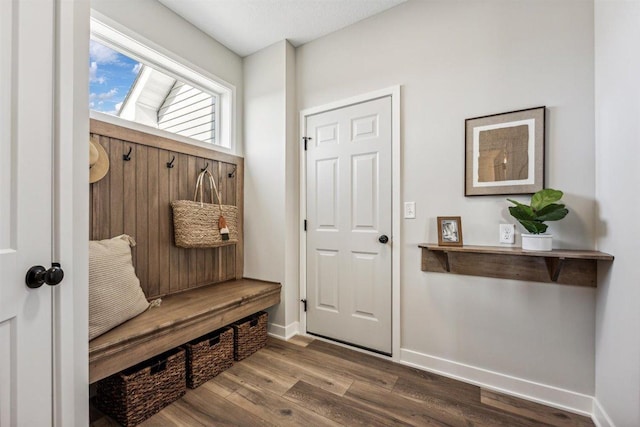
{"points": [[544, 207]]}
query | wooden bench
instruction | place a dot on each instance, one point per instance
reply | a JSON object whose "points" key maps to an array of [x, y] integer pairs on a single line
{"points": [[180, 318]]}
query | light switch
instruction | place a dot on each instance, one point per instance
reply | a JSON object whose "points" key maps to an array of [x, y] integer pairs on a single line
{"points": [[507, 233], [409, 209]]}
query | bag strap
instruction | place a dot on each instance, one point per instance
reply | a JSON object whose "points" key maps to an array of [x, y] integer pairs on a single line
{"points": [[200, 186], [214, 188]]}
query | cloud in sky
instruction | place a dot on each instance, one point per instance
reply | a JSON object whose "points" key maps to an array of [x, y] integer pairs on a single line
{"points": [[93, 74], [111, 75], [108, 95], [101, 54]]}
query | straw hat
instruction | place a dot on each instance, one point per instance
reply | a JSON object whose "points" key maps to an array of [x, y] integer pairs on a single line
{"points": [[98, 162]]}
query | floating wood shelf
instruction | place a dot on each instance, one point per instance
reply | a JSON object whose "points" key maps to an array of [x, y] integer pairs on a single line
{"points": [[568, 267]]}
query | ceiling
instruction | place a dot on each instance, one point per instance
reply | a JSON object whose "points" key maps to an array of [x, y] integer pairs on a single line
{"points": [[246, 26]]}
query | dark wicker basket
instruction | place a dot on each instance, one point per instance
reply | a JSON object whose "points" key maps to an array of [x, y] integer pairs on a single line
{"points": [[250, 335], [209, 355], [137, 393]]}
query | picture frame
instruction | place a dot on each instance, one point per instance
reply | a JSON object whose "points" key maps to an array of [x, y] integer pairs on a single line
{"points": [[449, 231], [504, 153]]}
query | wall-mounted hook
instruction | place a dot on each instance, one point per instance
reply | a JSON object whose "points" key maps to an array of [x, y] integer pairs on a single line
{"points": [[170, 164], [127, 157], [205, 167], [233, 172]]}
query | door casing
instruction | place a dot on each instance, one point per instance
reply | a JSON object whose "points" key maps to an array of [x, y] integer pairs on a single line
{"points": [[396, 211]]}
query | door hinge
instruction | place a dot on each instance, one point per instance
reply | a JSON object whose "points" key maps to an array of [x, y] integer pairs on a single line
{"points": [[305, 225], [306, 139], [304, 302]]}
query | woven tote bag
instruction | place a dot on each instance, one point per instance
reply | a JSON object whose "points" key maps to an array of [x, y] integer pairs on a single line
{"points": [[197, 224]]}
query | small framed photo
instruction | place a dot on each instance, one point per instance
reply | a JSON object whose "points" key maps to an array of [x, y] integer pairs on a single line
{"points": [[504, 153], [449, 231]]}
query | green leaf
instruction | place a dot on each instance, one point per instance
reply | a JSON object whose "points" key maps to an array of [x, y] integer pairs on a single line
{"points": [[515, 202], [544, 198], [553, 212], [534, 227], [522, 212]]}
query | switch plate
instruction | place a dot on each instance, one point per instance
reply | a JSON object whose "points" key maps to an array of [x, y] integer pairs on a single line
{"points": [[507, 233], [409, 209]]}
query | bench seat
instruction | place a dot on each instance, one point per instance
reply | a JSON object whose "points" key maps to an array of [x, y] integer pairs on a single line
{"points": [[179, 319]]}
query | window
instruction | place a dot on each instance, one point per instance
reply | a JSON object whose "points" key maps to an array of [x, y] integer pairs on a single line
{"points": [[134, 82]]}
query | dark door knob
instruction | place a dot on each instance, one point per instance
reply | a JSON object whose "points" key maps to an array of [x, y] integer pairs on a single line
{"points": [[383, 239], [38, 275]]}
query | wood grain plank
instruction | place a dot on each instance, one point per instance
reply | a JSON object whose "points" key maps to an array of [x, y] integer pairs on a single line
{"points": [[134, 136], [116, 190], [468, 391], [239, 177], [100, 203], [509, 250], [318, 376], [193, 172], [142, 217], [165, 239], [349, 369], [343, 411], [578, 272], [185, 192], [153, 223], [200, 254], [533, 411], [243, 373], [217, 388], [129, 204], [201, 408], [228, 196], [301, 340], [414, 413], [275, 409], [175, 253]]}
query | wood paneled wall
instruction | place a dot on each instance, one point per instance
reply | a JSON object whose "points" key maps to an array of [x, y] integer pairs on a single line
{"points": [[134, 198]]}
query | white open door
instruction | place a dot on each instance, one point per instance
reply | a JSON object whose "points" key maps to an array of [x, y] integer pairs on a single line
{"points": [[349, 224], [26, 145]]}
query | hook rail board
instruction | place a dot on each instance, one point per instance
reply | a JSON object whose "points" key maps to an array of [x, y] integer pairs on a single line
{"points": [[134, 198]]}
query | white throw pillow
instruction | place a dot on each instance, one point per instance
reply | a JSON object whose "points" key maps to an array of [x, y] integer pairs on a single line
{"points": [[115, 295]]}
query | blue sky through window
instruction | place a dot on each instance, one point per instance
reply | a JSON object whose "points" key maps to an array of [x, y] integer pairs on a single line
{"points": [[111, 75]]}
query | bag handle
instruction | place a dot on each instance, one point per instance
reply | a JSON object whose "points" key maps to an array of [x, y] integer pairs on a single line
{"points": [[212, 185]]}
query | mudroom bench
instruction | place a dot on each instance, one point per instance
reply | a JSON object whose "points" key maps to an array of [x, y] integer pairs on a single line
{"points": [[180, 318]]}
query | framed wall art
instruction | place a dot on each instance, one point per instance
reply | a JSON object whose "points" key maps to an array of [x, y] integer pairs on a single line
{"points": [[504, 153], [449, 231]]}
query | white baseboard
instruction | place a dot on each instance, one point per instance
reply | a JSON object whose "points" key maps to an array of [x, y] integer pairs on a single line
{"points": [[283, 332], [541, 393], [600, 417]]}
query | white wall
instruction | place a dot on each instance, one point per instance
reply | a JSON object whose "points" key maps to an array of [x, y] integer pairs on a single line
{"points": [[461, 59], [161, 26], [271, 183], [617, 60]]}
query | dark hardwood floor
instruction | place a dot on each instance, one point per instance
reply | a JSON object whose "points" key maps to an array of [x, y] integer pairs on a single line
{"points": [[310, 383]]}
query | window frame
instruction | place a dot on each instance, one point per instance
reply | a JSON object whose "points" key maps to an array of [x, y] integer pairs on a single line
{"points": [[121, 39]]}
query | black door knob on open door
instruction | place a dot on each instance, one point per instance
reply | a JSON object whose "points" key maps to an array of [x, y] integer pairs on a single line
{"points": [[38, 275], [383, 239]]}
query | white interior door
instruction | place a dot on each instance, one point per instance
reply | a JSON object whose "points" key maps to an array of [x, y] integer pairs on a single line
{"points": [[348, 184], [26, 83]]}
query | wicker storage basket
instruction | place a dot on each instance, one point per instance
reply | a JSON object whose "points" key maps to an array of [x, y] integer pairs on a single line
{"points": [[209, 355], [135, 394], [250, 335]]}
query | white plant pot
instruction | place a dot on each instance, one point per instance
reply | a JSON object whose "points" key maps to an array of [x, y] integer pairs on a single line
{"points": [[537, 242]]}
